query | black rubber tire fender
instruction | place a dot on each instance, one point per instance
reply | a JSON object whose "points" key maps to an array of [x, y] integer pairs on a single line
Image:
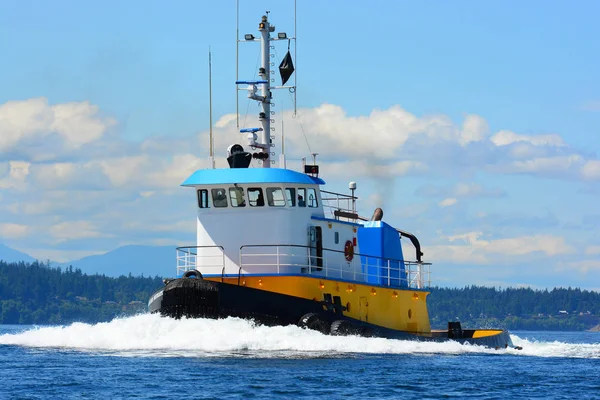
{"points": [[342, 327], [193, 273], [366, 331], [315, 322]]}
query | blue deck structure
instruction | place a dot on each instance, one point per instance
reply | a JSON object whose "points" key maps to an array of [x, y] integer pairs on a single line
{"points": [[381, 241], [250, 175]]}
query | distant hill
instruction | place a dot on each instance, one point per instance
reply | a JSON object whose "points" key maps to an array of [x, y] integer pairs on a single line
{"points": [[137, 260], [11, 255]]}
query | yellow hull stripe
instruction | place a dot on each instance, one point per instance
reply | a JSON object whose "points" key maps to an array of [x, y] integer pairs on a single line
{"points": [[486, 332], [400, 309]]}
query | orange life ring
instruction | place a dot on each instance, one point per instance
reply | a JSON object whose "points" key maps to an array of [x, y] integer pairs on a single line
{"points": [[349, 250]]}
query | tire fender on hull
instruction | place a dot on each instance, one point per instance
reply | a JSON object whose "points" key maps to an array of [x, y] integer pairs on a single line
{"points": [[315, 322], [193, 273], [342, 327]]}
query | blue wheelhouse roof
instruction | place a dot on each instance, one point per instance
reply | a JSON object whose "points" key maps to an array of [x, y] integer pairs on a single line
{"points": [[249, 175]]}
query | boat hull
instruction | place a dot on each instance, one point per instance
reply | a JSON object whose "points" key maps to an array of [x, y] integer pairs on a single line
{"points": [[199, 298]]}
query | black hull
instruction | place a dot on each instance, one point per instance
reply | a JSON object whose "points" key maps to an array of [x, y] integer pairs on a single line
{"points": [[198, 298]]}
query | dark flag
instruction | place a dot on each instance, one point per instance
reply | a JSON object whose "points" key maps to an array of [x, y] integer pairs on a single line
{"points": [[286, 68]]}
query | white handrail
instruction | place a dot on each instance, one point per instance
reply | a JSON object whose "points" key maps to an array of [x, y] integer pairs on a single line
{"points": [[285, 258], [205, 257], [362, 268]]}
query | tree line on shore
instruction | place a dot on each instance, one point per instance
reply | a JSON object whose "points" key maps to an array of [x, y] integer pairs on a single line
{"points": [[570, 309], [35, 293]]}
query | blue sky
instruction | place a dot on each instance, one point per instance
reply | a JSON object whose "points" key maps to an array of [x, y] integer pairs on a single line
{"points": [[474, 124]]}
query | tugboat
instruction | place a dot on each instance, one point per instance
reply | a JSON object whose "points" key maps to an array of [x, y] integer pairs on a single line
{"points": [[275, 247]]}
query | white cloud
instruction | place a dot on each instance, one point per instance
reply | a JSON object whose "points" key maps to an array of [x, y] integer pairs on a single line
{"points": [[14, 178], [474, 129], [74, 230], [591, 169], [548, 244], [78, 123], [592, 250], [107, 191], [583, 266], [563, 166], [379, 136], [60, 255], [124, 171], [504, 138], [174, 172], [448, 202], [23, 119], [366, 168], [474, 250], [32, 127], [476, 190], [385, 143], [145, 171], [62, 175], [459, 190], [13, 231]]}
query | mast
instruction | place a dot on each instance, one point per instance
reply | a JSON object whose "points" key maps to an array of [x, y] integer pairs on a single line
{"points": [[260, 90], [265, 29]]}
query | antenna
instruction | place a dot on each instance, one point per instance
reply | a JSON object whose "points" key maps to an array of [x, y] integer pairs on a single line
{"points": [[211, 142], [314, 156]]}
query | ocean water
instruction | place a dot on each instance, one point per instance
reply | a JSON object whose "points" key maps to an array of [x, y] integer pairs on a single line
{"points": [[150, 357]]}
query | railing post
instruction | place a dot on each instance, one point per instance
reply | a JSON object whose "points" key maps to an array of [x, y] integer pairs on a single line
{"points": [[389, 283], [222, 258], [277, 260], [240, 264]]}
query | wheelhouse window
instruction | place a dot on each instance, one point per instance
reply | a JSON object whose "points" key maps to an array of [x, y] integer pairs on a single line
{"points": [[219, 197], [203, 198], [312, 198], [290, 194], [275, 197], [301, 197], [236, 196], [255, 197]]}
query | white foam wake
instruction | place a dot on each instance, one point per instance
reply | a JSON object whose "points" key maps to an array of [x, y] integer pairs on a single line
{"points": [[148, 334], [556, 348]]}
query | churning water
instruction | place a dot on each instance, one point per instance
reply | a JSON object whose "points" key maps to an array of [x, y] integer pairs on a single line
{"points": [[147, 356]]}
